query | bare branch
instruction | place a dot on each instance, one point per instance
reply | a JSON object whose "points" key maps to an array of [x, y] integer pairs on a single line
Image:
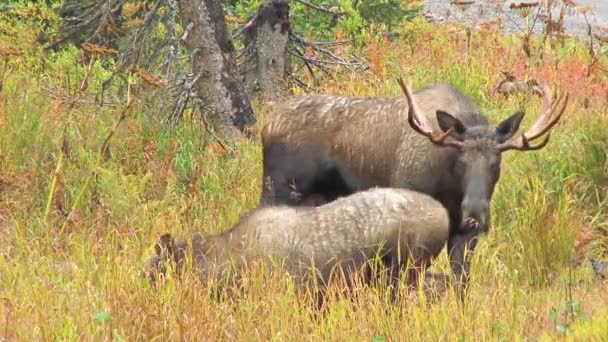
{"points": [[302, 84], [182, 100], [319, 8], [55, 93], [172, 40], [297, 37], [322, 64], [300, 53], [238, 31]]}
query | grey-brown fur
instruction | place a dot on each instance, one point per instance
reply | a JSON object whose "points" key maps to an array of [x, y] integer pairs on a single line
{"points": [[311, 141], [512, 87], [348, 232], [167, 250]]}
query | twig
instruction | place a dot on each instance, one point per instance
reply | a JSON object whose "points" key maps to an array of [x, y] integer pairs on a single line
{"points": [[338, 62], [187, 31], [238, 31], [303, 40], [59, 165], [131, 56], [93, 18], [135, 41], [308, 66], [178, 109], [321, 67], [319, 8], [301, 83], [203, 105], [316, 46], [50, 91], [7, 316], [49, 200]]}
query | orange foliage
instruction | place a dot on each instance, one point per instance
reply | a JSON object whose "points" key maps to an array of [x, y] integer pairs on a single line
{"points": [[339, 37], [9, 51], [309, 53], [167, 168], [132, 24], [149, 150], [131, 9], [218, 149], [233, 20], [98, 49], [374, 57], [377, 54], [150, 79]]}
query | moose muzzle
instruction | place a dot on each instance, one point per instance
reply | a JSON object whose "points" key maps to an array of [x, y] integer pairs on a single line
{"points": [[475, 215]]}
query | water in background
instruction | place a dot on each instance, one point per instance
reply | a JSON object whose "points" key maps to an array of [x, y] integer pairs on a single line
{"points": [[484, 10]]}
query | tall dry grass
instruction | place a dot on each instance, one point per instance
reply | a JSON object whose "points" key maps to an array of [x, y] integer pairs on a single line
{"points": [[77, 222]]}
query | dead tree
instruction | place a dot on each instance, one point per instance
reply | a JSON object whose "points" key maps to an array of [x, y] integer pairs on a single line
{"points": [[275, 53], [213, 59], [210, 79], [266, 39]]}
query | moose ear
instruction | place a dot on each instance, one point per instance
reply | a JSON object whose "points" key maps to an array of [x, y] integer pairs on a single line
{"points": [[447, 121], [506, 129]]}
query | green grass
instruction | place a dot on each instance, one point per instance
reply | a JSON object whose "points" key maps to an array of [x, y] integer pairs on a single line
{"points": [[75, 275]]}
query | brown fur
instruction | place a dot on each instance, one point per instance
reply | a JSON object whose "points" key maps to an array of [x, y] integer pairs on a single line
{"points": [[343, 126], [509, 88], [167, 250], [342, 236]]}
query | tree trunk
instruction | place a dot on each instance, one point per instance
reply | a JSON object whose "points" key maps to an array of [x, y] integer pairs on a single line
{"points": [[267, 42], [213, 57]]}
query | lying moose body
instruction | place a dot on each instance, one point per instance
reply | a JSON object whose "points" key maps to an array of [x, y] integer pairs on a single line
{"points": [[403, 226], [320, 147]]}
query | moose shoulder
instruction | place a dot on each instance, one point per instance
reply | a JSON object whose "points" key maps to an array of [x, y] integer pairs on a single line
{"points": [[317, 148]]}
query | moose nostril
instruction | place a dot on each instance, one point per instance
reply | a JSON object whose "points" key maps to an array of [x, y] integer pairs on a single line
{"points": [[474, 214], [475, 209]]}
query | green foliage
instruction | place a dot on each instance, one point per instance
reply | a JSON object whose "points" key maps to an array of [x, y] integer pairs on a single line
{"points": [[357, 19], [102, 316], [120, 193], [386, 12]]}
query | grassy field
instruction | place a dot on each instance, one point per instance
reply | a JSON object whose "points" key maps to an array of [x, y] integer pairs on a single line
{"points": [[77, 225]]}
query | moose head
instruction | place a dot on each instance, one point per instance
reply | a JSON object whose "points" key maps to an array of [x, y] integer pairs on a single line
{"points": [[478, 150]]}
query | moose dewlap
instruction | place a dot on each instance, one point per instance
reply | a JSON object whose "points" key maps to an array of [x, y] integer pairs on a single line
{"points": [[400, 226]]}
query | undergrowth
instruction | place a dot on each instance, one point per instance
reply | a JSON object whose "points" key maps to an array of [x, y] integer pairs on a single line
{"points": [[72, 252]]}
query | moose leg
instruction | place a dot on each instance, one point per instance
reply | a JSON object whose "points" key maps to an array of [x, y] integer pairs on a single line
{"points": [[435, 285], [334, 181], [461, 247]]}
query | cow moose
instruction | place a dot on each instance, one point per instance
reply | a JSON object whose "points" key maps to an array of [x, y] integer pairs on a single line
{"points": [[317, 148], [403, 229]]}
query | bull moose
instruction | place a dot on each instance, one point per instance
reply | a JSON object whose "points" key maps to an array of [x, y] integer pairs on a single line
{"points": [[317, 148], [403, 229]]}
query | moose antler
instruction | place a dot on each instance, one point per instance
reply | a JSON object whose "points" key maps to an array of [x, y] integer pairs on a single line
{"points": [[421, 124], [550, 116]]}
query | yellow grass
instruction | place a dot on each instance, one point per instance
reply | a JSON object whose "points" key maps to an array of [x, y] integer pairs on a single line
{"points": [[75, 274]]}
